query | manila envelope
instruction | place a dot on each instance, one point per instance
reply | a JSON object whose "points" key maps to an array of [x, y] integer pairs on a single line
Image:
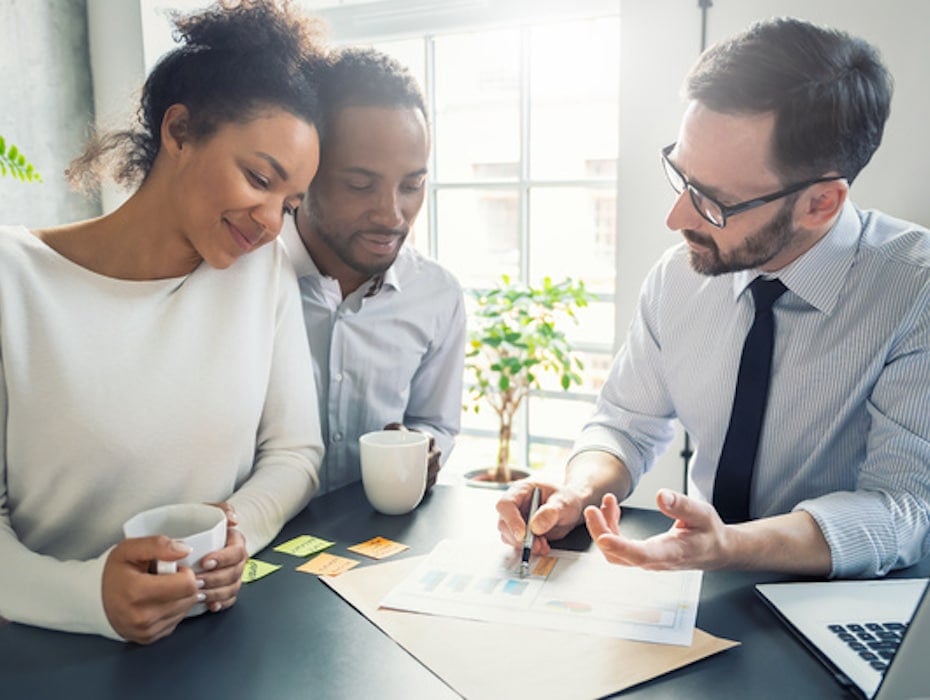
{"points": [[490, 660]]}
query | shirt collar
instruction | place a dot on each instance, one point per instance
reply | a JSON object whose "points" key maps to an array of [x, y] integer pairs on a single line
{"points": [[296, 250], [390, 277], [819, 274]]}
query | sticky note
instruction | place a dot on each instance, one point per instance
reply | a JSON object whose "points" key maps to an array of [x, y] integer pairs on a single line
{"points": [[303, 546], [256, 569], [378, 548], [543, 566], [327, 565]]}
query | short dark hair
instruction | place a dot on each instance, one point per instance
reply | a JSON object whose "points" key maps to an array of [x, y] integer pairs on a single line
{"points": [[829, 91], [366, 77], [235, 59]]}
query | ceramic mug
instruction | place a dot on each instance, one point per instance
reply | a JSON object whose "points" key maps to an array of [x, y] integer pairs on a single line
{"points": [[394, 469]]}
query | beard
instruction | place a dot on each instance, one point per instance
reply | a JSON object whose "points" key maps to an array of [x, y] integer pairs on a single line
{"points": [[756, 250], [348, 245]]}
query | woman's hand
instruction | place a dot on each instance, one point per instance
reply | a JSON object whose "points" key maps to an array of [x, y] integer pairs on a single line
{"points": [[222, 570], [143, 607]]}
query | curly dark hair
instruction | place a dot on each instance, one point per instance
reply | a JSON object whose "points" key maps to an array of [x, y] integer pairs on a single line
{"points": [[365, 77], [829, 91], [235, 60]]}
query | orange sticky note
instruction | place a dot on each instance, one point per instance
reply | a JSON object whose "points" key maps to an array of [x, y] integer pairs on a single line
{"points": [[543, 566], [327, 565], [378, 548]]}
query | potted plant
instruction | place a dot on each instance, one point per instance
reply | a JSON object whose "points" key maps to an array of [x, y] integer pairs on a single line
{"points": [[516, 338], [14, 164]]}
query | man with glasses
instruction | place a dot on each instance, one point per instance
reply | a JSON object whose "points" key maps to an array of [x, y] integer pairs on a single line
{"points": [[789, 333]]}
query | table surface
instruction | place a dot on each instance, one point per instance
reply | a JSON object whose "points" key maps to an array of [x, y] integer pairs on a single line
{"points": [[290, 636]]}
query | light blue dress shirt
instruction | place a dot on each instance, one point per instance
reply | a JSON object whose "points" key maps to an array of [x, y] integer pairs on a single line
{"points": [[847, 427], [394, 356]]}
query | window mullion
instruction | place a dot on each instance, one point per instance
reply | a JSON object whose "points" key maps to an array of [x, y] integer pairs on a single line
{"points": [[429, 49], [524, 195]]}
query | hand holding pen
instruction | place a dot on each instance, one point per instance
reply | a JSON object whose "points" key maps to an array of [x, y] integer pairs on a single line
{"points": [[528, 537], [559, 512]]}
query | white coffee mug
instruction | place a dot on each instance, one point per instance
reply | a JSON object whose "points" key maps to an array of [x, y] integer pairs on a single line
{"points": [[394, 466], [200, 526]]}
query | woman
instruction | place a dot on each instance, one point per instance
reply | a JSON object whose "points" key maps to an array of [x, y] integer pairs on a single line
{"points": [[147, 356]]}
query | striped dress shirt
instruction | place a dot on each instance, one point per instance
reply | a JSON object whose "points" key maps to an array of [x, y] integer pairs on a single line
{"points": [[847, 427]]}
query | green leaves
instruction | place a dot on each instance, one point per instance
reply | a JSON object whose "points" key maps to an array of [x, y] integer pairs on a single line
{"points": [[14, 164], [517, 338]]}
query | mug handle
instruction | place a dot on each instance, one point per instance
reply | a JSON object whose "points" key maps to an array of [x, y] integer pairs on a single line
{"points": [[166, 567]]}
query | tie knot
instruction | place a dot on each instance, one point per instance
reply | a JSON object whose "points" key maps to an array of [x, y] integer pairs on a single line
{"points": [[765, 292]]}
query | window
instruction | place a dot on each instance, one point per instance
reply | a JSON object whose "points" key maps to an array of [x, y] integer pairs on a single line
{"points": [[523, 181]]}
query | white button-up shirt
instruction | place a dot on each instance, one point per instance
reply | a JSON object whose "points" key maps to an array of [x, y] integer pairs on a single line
{"points": [[391, 351]]}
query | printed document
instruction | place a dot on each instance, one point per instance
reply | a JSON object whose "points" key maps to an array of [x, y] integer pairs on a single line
{"points": [[568, 591]]}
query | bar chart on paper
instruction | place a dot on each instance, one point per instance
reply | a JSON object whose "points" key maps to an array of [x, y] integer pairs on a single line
{"points": [[570, 591]]}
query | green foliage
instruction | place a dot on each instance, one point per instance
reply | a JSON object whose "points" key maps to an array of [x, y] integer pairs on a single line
{"points": [[516, 339], [14, 164]]}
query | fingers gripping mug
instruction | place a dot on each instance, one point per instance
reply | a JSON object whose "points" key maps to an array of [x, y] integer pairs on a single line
{"points": [[200, 526]]}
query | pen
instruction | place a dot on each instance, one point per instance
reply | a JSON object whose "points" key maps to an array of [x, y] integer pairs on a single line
{"points": [[528, 537]]}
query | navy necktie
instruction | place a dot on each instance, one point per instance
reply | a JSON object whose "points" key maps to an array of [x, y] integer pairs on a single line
{"points": [[734, 470]]}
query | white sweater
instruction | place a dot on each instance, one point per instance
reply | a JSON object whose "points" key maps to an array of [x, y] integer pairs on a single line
{"points": [[117, 396]]}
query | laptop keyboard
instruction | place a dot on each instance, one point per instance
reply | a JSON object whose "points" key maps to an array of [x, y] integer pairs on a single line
{"points": [[874, 642]]}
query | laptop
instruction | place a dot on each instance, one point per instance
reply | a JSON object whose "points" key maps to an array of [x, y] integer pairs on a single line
{"points": [[872, 635]]}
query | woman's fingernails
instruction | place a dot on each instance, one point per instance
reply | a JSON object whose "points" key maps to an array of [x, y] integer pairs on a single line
{"points": [[180, 547]]}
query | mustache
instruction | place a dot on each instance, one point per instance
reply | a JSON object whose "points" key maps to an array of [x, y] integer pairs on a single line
{"points": [[698, 238], [384, 231]]}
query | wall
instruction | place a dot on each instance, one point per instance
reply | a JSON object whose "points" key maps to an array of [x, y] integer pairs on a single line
{"points": [[47, 105], [659, 40], [117, 70]]}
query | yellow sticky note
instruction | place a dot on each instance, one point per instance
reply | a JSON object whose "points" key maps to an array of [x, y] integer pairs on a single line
{"points": [[378, 548], [256, 569], [303, 546], [327, 565]]}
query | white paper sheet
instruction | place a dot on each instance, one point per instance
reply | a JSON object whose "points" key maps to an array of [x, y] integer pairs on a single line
{"points": [[566, 591]]}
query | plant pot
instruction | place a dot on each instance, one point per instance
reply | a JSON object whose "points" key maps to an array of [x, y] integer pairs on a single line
{"points": [[483, 478]]}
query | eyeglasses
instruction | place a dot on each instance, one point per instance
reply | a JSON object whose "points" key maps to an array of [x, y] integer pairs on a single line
{"points": [[713, 211]]}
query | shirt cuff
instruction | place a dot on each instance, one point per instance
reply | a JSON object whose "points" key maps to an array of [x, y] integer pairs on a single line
{"points": [[857, 528]]}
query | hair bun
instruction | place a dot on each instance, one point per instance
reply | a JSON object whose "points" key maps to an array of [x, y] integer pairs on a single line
{"points": [[248, 25]]}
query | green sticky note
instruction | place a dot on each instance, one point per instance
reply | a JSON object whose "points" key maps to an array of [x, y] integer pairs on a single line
{"points": [[303, 546], [256, 569]]}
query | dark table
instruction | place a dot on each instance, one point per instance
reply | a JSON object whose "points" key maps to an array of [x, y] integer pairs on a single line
{"points": [[290, 636]]}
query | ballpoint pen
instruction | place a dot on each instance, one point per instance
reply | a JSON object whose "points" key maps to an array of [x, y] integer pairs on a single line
{"points": [[528, 537]]}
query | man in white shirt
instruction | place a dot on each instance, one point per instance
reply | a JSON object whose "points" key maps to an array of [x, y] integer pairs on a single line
{"points": [[386, 324]]}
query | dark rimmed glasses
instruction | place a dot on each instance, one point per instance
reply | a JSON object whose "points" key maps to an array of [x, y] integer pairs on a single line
{"points": [[713, 211]]}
